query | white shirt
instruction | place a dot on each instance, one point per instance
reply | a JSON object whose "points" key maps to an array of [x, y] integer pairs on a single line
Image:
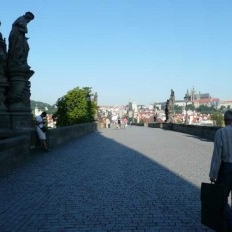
{"points": [[39, 121]]}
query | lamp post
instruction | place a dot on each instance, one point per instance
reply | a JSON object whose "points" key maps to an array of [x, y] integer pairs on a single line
{"points": [[186, 100]]}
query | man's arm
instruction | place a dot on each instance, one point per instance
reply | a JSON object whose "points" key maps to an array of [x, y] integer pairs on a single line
{"points": [[216, 157]]}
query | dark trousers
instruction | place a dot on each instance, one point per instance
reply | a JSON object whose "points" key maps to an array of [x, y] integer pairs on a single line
{"points": [[225, 178]]}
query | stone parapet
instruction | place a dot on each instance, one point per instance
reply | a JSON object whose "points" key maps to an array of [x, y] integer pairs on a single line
{"points": [[16, 145], [206, 132], [62, 135]]}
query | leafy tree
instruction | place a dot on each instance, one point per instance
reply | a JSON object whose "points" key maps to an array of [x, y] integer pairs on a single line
{"points": [[218, 118], [178, 109], [222, 109], [190, 107], [75, 108], [204, 109]]}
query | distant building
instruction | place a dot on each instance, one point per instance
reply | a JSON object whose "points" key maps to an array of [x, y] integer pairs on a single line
{"points": [[227, 104]]}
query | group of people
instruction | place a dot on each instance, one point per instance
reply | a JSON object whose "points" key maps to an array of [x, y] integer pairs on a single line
{"points": [[119, 123], [122, 123]]}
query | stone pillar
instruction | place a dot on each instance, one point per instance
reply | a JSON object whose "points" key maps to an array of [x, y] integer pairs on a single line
{"points": [[18, 99], [4, 115], [19, 73]]}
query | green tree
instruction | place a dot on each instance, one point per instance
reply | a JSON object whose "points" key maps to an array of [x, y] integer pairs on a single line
{"points": [[222, 109], [190, 107], [205, 109], [178, 109], [75, 108], [218, 118]]}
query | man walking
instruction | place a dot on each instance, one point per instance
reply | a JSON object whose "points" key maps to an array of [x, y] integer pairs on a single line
{"points": [[221, 163]]}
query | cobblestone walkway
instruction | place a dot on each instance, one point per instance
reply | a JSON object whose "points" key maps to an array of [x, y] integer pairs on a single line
{"points": [[134, 179]]}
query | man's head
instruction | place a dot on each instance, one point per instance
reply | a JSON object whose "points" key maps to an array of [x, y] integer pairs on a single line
{"points": [[228, 117], [43, 114]]}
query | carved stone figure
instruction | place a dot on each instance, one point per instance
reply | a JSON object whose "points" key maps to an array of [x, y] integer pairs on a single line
{"points": [[4, 115], [166, 110], [95, 98], [169, 108], [18, 74], [3, 55], [3, 78], [18, 45]]}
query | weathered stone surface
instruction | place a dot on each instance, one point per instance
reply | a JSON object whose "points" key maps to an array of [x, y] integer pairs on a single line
{"points": [[4, 115], [19, 73], [18, 45]]}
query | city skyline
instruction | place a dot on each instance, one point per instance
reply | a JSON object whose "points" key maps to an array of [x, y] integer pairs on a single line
{"points": [[126, 49]]}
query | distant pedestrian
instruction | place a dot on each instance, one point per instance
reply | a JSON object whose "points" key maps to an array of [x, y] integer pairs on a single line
{"points": [[125, 123], [107, 123], [119, 123], [41, 130]]}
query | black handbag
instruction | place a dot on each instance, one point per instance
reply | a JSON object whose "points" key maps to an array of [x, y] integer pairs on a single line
{"points": [[213, 207]]}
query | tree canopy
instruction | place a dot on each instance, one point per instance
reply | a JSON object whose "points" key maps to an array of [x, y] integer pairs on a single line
{"points": [[75, 107]]}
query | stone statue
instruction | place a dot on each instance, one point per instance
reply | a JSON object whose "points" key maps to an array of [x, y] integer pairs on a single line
{"points": [[18, 45], [18, 74], [169, 108], [166, 110], [95, 98], [3, 78], [3, 55]]}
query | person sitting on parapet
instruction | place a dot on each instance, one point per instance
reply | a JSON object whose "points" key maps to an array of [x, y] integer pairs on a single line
{"points": [[41, 130]]}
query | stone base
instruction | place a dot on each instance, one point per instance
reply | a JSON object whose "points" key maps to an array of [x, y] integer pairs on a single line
{"points": [[4, 120], [22, 120]]}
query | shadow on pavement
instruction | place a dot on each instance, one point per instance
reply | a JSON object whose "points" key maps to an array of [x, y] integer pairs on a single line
{"points": [[97, 184]]}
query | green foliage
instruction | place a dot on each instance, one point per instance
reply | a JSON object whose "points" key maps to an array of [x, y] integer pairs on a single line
{"points": [[178, 109], [74, 108], [190, 107], [222, 109], [205, 109], [218, 118]]}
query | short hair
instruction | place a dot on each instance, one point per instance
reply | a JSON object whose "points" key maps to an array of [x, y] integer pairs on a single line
{"points": [[228, 115], [44, 114]]}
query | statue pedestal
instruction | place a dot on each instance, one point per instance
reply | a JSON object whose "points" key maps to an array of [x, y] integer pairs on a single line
{"points": [[18, 99], [4, 115], [21, 120]]}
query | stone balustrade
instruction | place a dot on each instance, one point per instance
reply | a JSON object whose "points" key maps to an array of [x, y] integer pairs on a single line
{"points": [[206, 132], [18, 144]]}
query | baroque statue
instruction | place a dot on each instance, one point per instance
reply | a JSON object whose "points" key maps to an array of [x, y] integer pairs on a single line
{"points": [[3, 55], [169, 108], [18, 45]]}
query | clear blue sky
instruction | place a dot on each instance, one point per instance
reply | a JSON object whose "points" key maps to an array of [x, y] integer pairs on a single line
{"points": [[127, 49]]}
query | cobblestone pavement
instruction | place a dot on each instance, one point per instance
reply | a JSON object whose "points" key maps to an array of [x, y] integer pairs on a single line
{"points": [[134, 179]]}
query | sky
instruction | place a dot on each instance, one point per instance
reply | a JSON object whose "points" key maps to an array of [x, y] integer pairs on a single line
{"points": [[126, 50]]}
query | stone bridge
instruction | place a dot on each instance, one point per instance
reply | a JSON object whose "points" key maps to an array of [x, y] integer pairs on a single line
{"points": [[135, 179]]}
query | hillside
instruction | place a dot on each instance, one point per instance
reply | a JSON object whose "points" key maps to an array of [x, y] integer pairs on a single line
{"points": [[50, 109]]}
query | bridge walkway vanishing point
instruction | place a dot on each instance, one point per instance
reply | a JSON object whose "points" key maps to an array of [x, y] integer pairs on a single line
{"points": [[133, 179]]}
